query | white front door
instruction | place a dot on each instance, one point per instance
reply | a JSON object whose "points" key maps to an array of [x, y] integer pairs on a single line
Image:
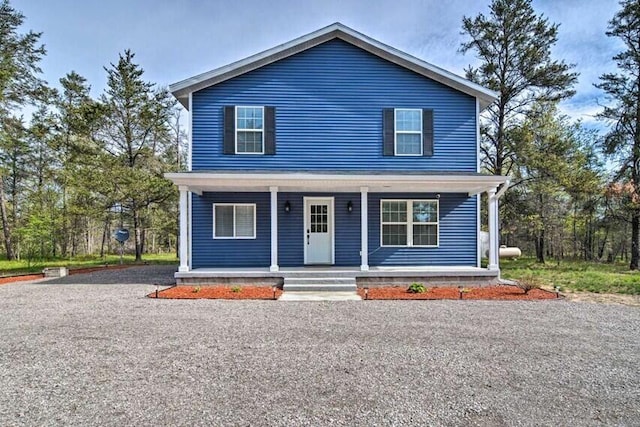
{"points": [[318, 230]]}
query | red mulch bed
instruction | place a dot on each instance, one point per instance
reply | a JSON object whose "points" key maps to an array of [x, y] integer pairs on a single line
{"points": [[447, 292], [217, 292], [380, 293], [12, 279]]}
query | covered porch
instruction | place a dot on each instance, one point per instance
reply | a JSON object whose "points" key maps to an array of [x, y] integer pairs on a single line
{"points": [[363, 184]]}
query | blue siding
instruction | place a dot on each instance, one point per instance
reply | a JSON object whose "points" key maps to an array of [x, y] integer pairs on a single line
{"points": [[458, 234], [210, 252], [329, 102], [291, 229]]}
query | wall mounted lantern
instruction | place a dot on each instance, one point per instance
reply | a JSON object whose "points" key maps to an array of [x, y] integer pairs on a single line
{"points": [[349, 206], [287, 206]]}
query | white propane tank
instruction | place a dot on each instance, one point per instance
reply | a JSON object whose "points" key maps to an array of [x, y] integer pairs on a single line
{"points": [[512, 253]]}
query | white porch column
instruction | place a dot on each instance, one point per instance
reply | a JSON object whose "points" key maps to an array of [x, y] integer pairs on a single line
{"points": [[184, 228], [274, 228], [494, 251], [364, 228]]}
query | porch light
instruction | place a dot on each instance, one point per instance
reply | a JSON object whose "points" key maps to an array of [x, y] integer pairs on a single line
{"points": [[287, 206], [349, 206]]}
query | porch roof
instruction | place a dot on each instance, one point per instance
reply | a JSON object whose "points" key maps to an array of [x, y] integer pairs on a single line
{"points": [[336, 181]]}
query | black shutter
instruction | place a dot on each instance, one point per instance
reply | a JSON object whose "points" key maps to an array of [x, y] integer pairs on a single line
{"points": [[388, 132], [229, 139], [427, 133], [269, 130]]}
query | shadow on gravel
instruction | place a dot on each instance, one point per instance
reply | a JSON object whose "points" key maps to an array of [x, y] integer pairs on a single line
{"points": [[145, 274]]}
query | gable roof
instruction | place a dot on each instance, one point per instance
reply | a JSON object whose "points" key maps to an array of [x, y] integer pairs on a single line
{"points": [[182, 89]]}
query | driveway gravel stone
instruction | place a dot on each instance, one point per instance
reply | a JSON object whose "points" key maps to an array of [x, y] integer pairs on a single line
{"points": [[105, 355]]}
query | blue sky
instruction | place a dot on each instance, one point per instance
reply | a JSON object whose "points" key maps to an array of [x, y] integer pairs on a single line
{"points": [[177, 39]]}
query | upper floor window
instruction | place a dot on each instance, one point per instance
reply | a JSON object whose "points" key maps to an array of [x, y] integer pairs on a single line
{"points": [[408, 129], [407, 132], [250, 130]]}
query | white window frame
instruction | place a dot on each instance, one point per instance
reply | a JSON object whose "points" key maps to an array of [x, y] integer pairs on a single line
{"points": [[248, 130], [409, 223], [408, 132], [234, 237]]}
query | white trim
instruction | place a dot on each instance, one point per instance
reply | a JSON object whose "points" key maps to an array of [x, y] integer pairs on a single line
{"points": [[492, 200], [409, 223], [337, 30], [364, 228], [406, 132], [479, 195], [221, 181], [190, 219], [478, 136], [331, 225], [478, 230], [236, 130], [234, 237], [184, 227], [274, 228], [189, 157]]}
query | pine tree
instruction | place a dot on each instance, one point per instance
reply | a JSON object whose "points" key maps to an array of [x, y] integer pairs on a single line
{"points": [[514, 47], [623, 91], [19, 84], [133, 135]]}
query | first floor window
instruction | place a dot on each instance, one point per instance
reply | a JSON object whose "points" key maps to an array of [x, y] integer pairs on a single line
{"points": [[409, 222], [234, 221]]}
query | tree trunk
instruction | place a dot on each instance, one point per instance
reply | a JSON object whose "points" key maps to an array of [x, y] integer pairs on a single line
{"points": [[635, 235], [540, 238], [137, 233], [6, 227], [105, 236], [540, 247]]}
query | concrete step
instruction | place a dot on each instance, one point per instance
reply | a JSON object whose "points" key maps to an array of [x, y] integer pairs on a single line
{"points": [[320, 284], [319, 296], [319, 273]]}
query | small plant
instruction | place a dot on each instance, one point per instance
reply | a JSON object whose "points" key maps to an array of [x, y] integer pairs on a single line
{"points": [[528, 283], [236, 289], [196, 289], [417, 288]]}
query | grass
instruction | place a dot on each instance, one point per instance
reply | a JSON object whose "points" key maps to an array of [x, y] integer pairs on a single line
{"points": [[575, 275], [10, 268]]}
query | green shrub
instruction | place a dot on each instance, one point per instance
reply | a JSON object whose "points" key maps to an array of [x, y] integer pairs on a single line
{"points": [[196, 289], [236, 289], [417, 288]]}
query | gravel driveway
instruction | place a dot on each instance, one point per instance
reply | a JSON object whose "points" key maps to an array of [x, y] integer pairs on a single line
{"points": [[105, 355], [147, 274]]}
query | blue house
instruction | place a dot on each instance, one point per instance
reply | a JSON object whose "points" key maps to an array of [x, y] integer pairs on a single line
{"points": [[334, 152]]}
